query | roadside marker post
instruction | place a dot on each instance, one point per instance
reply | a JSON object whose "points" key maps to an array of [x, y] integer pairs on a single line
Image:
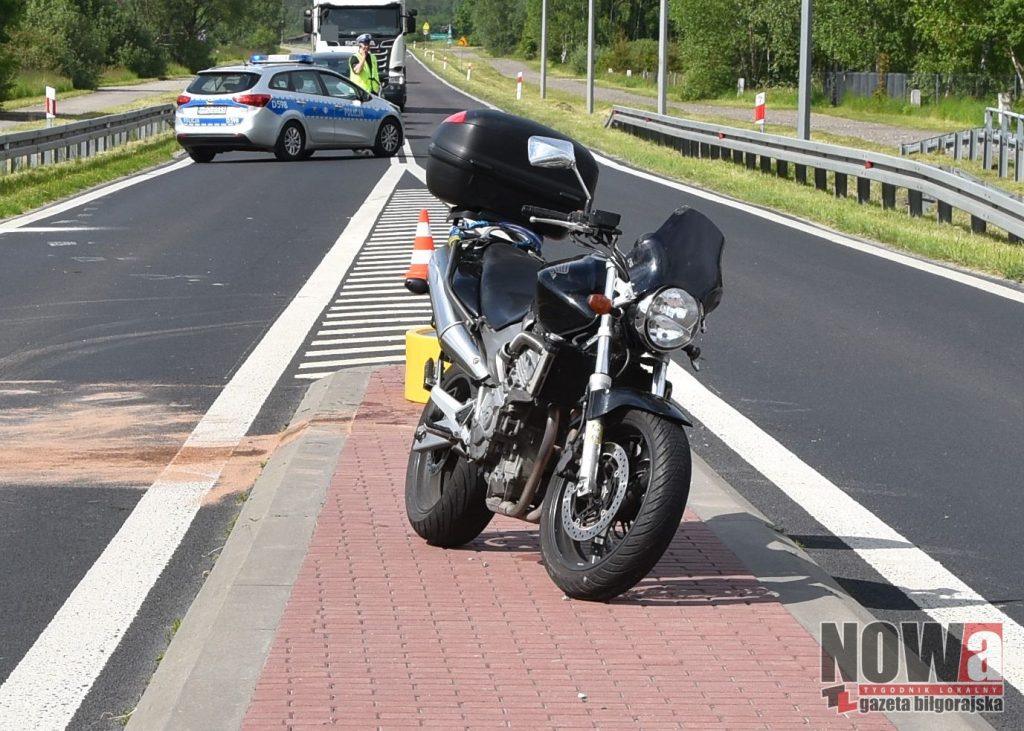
{"points": [[519, 86], [51, 105], [759, 110]]}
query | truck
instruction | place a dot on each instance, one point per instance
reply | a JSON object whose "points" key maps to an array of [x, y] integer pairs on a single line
{"points": [[334, 25]]}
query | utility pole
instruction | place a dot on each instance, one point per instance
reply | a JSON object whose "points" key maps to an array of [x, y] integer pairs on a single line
{"points": [[590, 57], [663, 57], [803, 115], [543, 48]]}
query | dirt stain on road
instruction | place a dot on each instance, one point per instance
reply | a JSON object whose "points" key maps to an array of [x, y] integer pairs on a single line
{"points": [[112, 435]]}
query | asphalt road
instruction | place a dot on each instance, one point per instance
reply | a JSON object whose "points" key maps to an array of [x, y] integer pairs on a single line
{"points": [[903, 388]]}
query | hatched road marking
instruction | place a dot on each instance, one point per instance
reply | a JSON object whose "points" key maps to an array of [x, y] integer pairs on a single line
{"points": [[371, 312]]}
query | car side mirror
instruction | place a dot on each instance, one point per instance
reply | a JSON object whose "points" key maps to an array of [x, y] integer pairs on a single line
{"points": [[307, 21]]}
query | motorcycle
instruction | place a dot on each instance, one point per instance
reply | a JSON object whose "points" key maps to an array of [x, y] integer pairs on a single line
{"points": [[550, 401]]}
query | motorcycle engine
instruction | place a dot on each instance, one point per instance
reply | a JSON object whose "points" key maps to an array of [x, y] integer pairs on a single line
{"points": [[507, 427]]}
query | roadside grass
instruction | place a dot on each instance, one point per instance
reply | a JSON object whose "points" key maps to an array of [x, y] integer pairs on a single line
{"points": [[952, 243], [29, 86], [35, 187]]}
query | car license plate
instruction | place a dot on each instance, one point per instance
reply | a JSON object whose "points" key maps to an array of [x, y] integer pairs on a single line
{"points": [[212, 110]]}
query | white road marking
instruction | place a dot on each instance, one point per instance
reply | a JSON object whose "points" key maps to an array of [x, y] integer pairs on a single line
{"points": [[21, 222], [931, 586], [47, 687]]}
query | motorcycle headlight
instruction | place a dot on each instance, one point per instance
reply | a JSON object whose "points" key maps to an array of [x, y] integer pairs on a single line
{"points": [[668, 320]]}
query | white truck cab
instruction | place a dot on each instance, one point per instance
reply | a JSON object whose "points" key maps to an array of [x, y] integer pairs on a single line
{"points": [[334, 25]]}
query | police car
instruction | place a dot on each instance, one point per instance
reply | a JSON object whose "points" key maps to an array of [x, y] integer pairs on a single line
{"points": [[285, 105]]}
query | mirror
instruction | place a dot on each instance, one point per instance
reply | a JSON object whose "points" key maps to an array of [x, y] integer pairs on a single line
{"points": [[548, 152], [307, 21]]}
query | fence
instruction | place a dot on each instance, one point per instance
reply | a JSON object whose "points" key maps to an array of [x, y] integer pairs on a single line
{"points": [[772, 153], [838, 84], [984, 144], [33, 148]]}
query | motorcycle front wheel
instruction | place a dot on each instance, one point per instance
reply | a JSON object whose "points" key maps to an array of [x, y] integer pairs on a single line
{"points": [[598, 546], [444, 493]]}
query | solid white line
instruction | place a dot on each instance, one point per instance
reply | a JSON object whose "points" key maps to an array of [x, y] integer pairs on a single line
{"points": [[380, 348], [46, 688], [1000, 290], [350, 361], [57, 229], [358, 341], [931, 586], [21, 221], [385, 310], [398, 286], [407, 297], [389, 330]]}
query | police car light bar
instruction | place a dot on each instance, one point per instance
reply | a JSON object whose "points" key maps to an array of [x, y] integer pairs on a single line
{"points": [[281, 58]]}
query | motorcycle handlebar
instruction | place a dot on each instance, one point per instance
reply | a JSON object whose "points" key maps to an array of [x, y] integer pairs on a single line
{"points": [[537, 212]]}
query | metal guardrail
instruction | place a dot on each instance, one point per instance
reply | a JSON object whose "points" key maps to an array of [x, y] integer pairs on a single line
{"points": [[981, 144], [755, 149], [33, 148]]}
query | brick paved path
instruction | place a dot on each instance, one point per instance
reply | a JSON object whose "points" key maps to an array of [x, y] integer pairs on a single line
{"points": [[383, 631]]}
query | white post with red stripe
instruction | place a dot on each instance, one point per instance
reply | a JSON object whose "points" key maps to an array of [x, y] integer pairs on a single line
{"points": [[759, 110], [519, 86], [51, 105]]}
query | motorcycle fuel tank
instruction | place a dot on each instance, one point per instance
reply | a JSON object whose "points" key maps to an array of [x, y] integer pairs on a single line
{"points": [[478, 161], [562, 291]]}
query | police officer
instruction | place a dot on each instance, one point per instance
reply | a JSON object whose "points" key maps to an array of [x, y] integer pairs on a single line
{"points": [[363, 66]]}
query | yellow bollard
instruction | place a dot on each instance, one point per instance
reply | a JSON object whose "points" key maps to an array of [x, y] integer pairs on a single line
{"points": [[420, 345]]}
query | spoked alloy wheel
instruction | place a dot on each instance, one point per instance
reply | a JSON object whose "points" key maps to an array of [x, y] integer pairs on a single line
{"points": [[389, 139], [444, 493], [291, 143], [600, 545]]}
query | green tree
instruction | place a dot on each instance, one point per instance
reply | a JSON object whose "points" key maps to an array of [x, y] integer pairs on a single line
{"points": [[189, 28], [500, 24], [10, 13]]}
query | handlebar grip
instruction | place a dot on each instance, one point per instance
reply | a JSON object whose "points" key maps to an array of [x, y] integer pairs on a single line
{"points": [[529, 210]]}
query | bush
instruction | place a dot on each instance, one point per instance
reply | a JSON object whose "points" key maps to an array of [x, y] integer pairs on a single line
{"points": [[705, 82]]}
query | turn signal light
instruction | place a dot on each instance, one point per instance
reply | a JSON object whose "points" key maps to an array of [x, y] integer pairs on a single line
{"points": [[183, 99], [253, 100], [599, 304]]}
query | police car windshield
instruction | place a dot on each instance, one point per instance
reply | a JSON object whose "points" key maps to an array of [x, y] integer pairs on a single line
{"points": [[222, 82], [375, 21]]}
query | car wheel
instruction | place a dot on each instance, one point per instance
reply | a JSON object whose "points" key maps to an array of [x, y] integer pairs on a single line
{"points": [[306, 154], [389, 138], [201, 154], [291, 143]]}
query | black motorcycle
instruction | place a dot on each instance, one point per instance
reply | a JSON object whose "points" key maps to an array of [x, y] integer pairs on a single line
{"points": [[550, 401]]}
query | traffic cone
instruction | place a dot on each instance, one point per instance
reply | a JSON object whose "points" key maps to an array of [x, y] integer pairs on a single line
{"points": [[422, 250]]}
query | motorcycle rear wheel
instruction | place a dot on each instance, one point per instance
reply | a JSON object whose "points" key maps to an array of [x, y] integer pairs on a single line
{"points": [[444, 493], [657, 484]]}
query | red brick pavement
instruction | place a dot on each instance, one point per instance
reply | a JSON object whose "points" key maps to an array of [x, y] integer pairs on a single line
{"points": [[384, 631]]}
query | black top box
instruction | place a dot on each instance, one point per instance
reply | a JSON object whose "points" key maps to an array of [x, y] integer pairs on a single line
{"points": [[477, 161]]}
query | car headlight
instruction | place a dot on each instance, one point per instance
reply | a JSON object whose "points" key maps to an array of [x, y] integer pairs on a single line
{"points": [[668, 320], [397, 79]]}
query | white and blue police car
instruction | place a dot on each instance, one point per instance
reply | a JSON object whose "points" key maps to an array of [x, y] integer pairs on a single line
{"points": [[285, 105]]}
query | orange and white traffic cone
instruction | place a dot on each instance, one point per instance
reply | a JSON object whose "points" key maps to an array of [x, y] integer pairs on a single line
{"points": [[422, 250]]}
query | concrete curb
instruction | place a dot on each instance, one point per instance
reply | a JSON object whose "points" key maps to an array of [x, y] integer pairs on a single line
{"points": [[210, 670]]}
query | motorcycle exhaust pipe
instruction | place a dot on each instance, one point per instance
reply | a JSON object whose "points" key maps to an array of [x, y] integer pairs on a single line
{"points": [[518, 509], [451, 328]]}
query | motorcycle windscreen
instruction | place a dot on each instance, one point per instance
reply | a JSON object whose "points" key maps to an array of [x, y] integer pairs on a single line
{"points": [[685, 252]]}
